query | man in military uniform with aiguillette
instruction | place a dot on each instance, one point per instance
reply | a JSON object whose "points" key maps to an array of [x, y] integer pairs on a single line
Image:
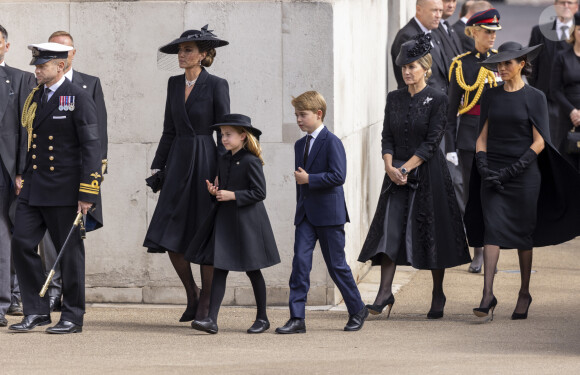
{"points": [[62, 177]]}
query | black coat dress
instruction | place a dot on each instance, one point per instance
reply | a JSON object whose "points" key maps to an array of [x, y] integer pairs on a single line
{"points": [[188, 153], [418, 224], [237, 235], [542, 206], [566, 91]]}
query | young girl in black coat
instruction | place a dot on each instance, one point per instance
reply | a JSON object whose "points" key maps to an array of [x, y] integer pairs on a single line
{"points": [[237, 235]]}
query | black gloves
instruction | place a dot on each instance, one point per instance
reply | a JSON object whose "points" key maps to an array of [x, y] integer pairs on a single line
{"points": [[488, 177], [517, 168]]}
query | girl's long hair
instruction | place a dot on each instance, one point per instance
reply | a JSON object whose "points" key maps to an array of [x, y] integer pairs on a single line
{"points": [[251, 143]]}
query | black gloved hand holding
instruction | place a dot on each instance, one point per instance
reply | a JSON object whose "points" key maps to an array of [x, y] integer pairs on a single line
{"points": [[488, 177], [517, 168]]}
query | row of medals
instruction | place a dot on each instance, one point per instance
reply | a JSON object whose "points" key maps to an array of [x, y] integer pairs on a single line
{"points": [[67, 103]]}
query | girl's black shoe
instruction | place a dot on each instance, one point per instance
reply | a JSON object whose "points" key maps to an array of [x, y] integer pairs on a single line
{"points": [[377, 309], [437, 314], [259, 326], [483, 312], [521, 316]]}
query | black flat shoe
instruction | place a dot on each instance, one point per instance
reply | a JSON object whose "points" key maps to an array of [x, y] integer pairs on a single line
{"points": [[293, 325], [521, 316], [64, 327], [205, 325], [437, 314], [30, 322], [15, 308], [189, 313], [356, 321], [377, 309], [259, 326], [483, 312]]}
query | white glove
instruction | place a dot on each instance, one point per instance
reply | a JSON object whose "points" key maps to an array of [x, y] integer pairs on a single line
{"points": [[452, 158]]}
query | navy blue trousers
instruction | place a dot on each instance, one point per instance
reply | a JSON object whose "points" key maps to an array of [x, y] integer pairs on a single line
{"points": [[332, 245]]}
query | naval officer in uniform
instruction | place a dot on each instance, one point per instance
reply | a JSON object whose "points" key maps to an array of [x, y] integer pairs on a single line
{"points": [[62, 176]]}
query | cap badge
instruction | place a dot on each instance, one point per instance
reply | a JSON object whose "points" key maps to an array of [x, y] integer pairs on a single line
{"points": [[495, 20]]}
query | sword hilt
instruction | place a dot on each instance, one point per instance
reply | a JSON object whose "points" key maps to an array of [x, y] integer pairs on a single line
{"points": [[46, 283]]}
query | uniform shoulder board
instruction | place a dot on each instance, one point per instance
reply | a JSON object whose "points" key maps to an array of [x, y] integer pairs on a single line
{"points": [[462, 55], [493, 50]]}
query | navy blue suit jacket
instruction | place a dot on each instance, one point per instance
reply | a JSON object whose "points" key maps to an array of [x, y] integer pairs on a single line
{"points": [[322, 199]]}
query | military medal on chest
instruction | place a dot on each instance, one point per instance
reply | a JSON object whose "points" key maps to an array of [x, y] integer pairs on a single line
{"points": [[66, 103]]}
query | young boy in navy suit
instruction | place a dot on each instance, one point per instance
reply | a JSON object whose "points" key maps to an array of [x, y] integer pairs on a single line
{"points": [[320, 163]]}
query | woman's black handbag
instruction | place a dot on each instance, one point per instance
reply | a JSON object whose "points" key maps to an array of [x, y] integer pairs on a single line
{"points": [[573, 142], [155, 182]]}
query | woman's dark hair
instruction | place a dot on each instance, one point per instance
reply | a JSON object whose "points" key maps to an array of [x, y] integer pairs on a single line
{"points": [[527, 69]]}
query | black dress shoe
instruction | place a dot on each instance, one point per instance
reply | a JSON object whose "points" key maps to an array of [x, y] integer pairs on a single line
{"points": [[3, 321], [293, 325], [65, 326], [356, 321], [55, 303], [437, 314], [29, 322], [205, 325], [259, 326], [15, 308]]}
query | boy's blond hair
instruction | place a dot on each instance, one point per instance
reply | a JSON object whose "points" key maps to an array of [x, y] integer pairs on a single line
{"points": [[310, 101]]}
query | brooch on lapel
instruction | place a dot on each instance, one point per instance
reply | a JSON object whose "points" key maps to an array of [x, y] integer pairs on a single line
{"points": [[66, 103], [427, 100]]}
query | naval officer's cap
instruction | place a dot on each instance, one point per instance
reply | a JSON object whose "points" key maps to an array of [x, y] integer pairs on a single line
{"points": [[44, 52]]}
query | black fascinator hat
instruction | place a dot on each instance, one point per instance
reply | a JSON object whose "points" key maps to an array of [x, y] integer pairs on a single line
{"points": [[204, 38], [577, 19], [509, 51], [414, 49]]}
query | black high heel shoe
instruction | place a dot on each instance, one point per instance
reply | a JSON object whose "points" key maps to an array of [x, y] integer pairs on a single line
{"points": [[521, 316], [189, 313], [377, 309], [482, 312], [437, 314]]}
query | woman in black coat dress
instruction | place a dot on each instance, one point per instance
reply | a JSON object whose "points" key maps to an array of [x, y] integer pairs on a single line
{"points": [[237, 235], [187, 155], [523, 194], [417, 221], [565, 87]]}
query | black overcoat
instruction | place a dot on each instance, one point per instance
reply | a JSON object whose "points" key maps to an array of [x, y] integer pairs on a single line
{"points": [[188, 154], [558, 212], [237, 235]]}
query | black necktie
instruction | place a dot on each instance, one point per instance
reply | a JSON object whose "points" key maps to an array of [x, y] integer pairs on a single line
{"points": [[45, 96], [447, 27], [563, 35], [307, 149]]}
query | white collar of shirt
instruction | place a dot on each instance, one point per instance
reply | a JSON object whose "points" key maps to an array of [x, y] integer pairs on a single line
{"points": [[423, 28], [2, 63], [53, 88], [69, 75], [559, 25], [314, 135], [464, 20]]}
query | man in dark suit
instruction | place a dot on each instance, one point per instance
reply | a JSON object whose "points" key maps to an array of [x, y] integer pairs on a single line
{"points": [[427, 17], [15, 85], [320, 163], [91, 85], [553, 36], [61, 178], [451, 42]]}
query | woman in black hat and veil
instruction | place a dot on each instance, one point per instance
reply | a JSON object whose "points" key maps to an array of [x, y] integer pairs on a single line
{"points": [[186, 157], [417, 221], [522, 193]]}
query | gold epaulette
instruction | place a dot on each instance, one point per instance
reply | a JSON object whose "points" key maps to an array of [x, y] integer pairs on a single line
{"points": [[28, 114], [494, 50], [456, 61]]}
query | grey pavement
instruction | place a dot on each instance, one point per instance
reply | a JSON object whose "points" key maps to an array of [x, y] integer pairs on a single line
{"points": [[146, 339]]}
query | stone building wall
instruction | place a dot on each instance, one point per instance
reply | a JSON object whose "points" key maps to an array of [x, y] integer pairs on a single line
{"points": [[278, 49]]}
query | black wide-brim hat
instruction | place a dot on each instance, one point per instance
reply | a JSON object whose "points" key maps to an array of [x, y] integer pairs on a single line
{"points": [[577, 19], [414, 49], [509, 51], [235, 119], [204, 39]]}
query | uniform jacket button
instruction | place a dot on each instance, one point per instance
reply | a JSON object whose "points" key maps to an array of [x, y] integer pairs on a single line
{"points": [[34, 156], [33, 135], [50, 148], [34, 166], [33, 146], [51, 168], [50, 137], [51, 158]]}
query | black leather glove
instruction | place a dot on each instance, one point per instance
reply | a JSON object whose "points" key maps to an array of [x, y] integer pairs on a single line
{"points": [[517, 168], [488, 177]]}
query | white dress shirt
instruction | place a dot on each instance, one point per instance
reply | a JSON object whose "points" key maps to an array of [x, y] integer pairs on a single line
{"points": [[53, 88], [314, 134]]}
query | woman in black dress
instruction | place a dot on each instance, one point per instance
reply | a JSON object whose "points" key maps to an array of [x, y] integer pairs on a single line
{"points": [[467, 81], [187, 154], [417, 221], [565, 87], [237, 235], [518, 200]]}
